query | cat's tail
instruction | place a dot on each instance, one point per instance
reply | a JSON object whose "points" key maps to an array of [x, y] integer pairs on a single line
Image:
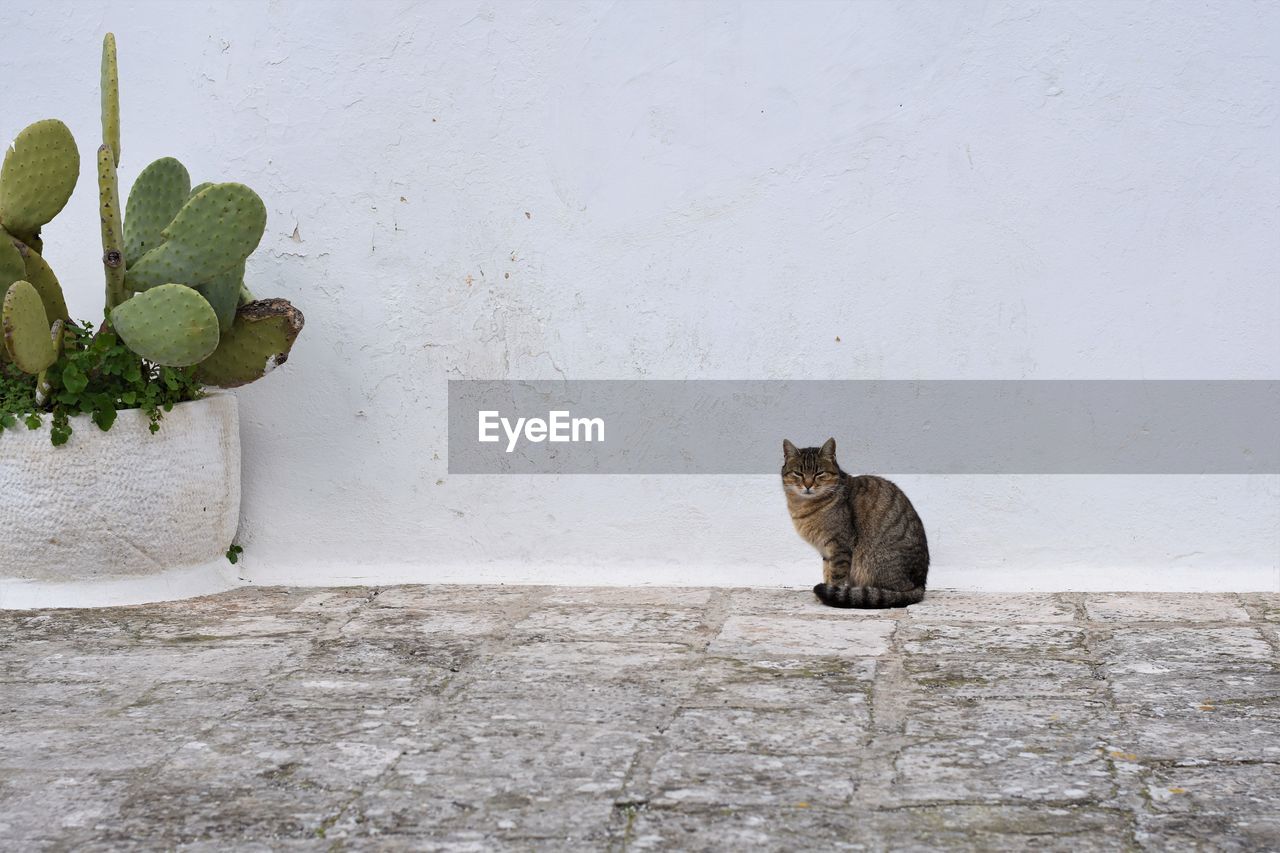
{"points": [[866, 597]]}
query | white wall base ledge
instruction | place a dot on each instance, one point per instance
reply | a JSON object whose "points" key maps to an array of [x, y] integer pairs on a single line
{"points": [[171, 585]]}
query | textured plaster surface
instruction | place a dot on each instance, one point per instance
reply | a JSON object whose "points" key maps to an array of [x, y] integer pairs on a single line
{"points": [[553, 718], [119, 505], [869, 190]]}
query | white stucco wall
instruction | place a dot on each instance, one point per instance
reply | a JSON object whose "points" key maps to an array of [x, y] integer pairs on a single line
{"points": [[607, 190]]}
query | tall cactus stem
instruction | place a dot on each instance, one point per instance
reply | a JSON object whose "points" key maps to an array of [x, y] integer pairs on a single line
{"points": [[110, 97], [112, 227]]}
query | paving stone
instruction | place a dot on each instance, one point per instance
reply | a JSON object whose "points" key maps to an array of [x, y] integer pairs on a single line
{"points": [[995, 677], [979, 640], [347, 758], [639, 663], [1241, 789], [947, 606], [434, 623], [631, 624], [801, 683], [64, 702], [739, 779], [914, 829], [46, 809], [748, 637], [1146, 648], [1000, 769], [434, 660], [90, 745], [1163, 607], [998, 827], [630, 596], [374, 693], [182, 706], [717, 829], [202, 661], [456, 596], [334, 603], [1220, 833], [798, 602], [1266, 604], [463, 745], [469, 814], [949, 716], [1187, 686], [1221, 733], [836, 730], [639, 705], [170, 809], [925, 829]]}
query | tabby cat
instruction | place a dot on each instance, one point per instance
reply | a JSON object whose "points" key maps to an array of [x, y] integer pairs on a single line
{"points": [[872, 543]]}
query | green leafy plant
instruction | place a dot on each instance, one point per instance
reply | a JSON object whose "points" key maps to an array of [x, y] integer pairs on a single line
{"points": [[233, 554], [178, 313], [97, 376]]}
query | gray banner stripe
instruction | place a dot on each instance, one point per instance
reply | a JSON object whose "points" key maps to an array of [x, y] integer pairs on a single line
{"points": [[888, 426]]}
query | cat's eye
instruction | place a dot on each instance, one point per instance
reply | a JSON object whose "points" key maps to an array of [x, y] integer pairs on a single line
{"points": [[825, 475]]}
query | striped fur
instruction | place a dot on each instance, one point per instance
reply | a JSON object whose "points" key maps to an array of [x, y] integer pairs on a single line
{"points": [[873, 545], [867, 597]]}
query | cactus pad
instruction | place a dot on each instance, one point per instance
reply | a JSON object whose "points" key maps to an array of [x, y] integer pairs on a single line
{"points": [[170, 325], [41, 277], [259, 340], [26, 329], [216, 230], [199, 188], [110, 86], [37, 178], [155, 199], [12, 266], [223, 293]]}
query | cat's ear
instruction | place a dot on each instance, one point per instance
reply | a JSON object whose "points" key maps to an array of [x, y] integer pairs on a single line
{"points": [[788, 449], [829, 448]]}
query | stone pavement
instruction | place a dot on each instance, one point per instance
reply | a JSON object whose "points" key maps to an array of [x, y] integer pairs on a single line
{"points": [[489, 718]]}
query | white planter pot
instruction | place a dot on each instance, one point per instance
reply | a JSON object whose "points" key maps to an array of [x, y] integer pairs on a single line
{"points": [[123, 516]]}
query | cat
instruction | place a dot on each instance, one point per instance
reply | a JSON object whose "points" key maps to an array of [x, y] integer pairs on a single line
{"points": [[872, 542]]}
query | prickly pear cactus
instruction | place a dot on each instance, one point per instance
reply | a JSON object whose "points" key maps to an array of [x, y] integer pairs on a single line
{"points": [[39, 173], [12, 266], [259, 341], [41, 277], [27, 337], [110, 89], [112, 219], [223, 293], [174, 259], [155, 199], [170, 325], [214, 231]]}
